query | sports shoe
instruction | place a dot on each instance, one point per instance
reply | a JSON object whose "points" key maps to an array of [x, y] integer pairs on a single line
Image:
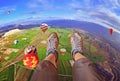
{"points": [[77, 43], [52, 45]]}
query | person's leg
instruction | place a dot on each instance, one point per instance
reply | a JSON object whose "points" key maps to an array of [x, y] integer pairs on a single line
{"points": [[51, 58], [83, 69], [47, 70]]}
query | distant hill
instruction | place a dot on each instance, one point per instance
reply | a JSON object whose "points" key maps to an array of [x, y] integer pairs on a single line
{"points": [[14, 26], [95, 29]]}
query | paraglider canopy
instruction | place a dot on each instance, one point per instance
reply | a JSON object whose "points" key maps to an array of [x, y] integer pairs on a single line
{"points": [[30, 59], [15, 41], [44, 27], [8, 12], [44, 24], [111, 31], [63, 51]]}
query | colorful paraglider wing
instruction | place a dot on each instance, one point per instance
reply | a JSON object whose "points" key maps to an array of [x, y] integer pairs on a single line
{"points": [[44, 24], [44, 27], [30, 60], [15, 41], [63, 51], [111, 31], [8, 12]]}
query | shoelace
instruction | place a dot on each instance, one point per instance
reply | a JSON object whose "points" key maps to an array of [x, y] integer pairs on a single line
{"points": [[77, 43], [52, 43]]}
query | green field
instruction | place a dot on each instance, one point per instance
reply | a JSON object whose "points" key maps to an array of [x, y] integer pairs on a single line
{"points": [[13, 67]]}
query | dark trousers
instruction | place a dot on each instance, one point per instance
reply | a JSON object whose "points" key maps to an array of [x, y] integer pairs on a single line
{"points": [[83, 70]]}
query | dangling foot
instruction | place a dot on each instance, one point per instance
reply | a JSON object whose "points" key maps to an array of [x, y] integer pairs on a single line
{"points": [[77, 43], [52, 45]]}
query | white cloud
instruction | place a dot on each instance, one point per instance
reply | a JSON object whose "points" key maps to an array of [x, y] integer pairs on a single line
{"points": [[3, 9], [43, 4], [115, 3], [33, 12], [108, 16], [33, 5], [74, 4]]}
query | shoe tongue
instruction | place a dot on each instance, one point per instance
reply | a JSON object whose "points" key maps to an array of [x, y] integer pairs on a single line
{"points": [[51, 43], [77, 44]]}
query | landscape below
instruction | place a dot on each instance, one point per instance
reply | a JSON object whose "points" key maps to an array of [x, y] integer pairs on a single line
{"points": [[12, 68]]}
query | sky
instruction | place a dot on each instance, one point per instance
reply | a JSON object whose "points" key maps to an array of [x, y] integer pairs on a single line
{"points": [[103, 12]]}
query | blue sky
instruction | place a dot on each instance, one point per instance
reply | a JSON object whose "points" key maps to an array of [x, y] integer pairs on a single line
{"points": [[103, 12]]}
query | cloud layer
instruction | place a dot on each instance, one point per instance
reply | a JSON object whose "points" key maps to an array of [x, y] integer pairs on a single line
{"points": [[103, 12]]}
